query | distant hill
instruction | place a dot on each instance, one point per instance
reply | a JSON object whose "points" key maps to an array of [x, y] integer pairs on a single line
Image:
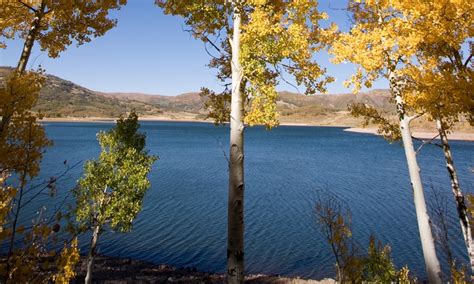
{"points": [[188, 102], [62, 98]]}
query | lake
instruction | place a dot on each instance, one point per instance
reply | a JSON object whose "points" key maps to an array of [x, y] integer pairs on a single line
{"points": [[183, 222]]}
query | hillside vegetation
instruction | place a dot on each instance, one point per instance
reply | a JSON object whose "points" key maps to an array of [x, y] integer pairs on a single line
{"points": [[64, 99]]}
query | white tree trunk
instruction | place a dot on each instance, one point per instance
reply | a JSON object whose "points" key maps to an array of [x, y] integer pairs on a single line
{"points": [[30, 39], [427, 241], [457, 193], [235, 221], [92, 254]]}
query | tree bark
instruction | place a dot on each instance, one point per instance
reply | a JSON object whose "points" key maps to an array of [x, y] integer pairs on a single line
{"points": [[30, 39], [235, 222], [457, 193], [92, 254], [427, 241]]}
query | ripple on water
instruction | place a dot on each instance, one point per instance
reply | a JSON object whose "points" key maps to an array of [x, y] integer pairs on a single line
{"points": [[183, 221]]}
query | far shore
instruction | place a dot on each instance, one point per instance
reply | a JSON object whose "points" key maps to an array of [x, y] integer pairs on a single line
{"points": [[112, 119], [420, 134], [166, 119]]}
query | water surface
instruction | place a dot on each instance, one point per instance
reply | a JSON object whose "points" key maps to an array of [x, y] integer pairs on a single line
{"points": [[183, 222]]}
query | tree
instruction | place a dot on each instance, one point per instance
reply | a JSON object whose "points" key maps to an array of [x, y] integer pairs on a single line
{"points": [[256, 42], [378, 265], [442, 82], [113, 186], [21, 150], [54, 25], [381, 45], [444, 101], [335, 221], [443, 234], [252, 39]]}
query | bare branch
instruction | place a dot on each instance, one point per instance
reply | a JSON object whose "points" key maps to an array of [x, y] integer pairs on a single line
{"points": [[204, 38], [426, 142], [467, 61], [284, 79], [47, 185], [27, 6], [413, 117], [209, 53], [222, 148]]}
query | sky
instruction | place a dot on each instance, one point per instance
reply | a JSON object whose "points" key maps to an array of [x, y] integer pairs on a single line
{"points": [[149, 52]]}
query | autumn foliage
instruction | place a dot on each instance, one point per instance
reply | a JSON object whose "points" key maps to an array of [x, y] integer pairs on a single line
{"points": [[422, 48]]}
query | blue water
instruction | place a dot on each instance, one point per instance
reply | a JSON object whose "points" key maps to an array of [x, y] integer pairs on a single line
{"points": [[183, 222]]}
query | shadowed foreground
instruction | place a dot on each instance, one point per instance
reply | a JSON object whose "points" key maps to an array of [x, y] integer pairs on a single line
{"points": [[122, 270]]}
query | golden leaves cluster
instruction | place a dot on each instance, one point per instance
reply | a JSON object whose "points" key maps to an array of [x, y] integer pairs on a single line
{"points": [[22, 138], [22, 143], [442, 93], [388, 35], [36, 262], [54, 25], [66, 263], [443, 74], [7, 194], [423, 41], [278, 32], [61, 22], [277, 38]]}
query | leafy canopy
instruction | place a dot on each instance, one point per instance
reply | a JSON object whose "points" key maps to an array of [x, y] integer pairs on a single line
{"points": [[22, 140], [379, 42], [61, 22], [277, 38], [443, 76], [113, 186], [419, 41]]}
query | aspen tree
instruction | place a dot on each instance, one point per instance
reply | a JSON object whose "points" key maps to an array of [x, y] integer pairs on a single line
{"points": [[442, 79], [54, 25], [381, 46], [112, 189], [256, 41]]}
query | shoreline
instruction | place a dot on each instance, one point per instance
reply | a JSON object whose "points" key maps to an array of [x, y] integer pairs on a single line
{"points": [[420, 134], [113, 120], [127, 270], [167, 119]]}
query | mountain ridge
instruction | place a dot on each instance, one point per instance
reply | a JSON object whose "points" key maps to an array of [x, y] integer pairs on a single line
{"points": [[61, 98]]}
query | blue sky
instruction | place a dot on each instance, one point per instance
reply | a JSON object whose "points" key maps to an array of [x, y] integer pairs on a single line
{"points": [[149, 52]]}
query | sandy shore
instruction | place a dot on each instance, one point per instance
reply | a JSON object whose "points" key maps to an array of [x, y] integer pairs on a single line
{"points": [[122, 270], [163, 118], [464, 136], [112, 119]]}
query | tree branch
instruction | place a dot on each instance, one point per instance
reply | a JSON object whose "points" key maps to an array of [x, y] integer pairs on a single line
{"points": [[467, 61], [284, 79], [27, 6], [205, 38], [425, 142], [48, 183], [413, 117]]}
